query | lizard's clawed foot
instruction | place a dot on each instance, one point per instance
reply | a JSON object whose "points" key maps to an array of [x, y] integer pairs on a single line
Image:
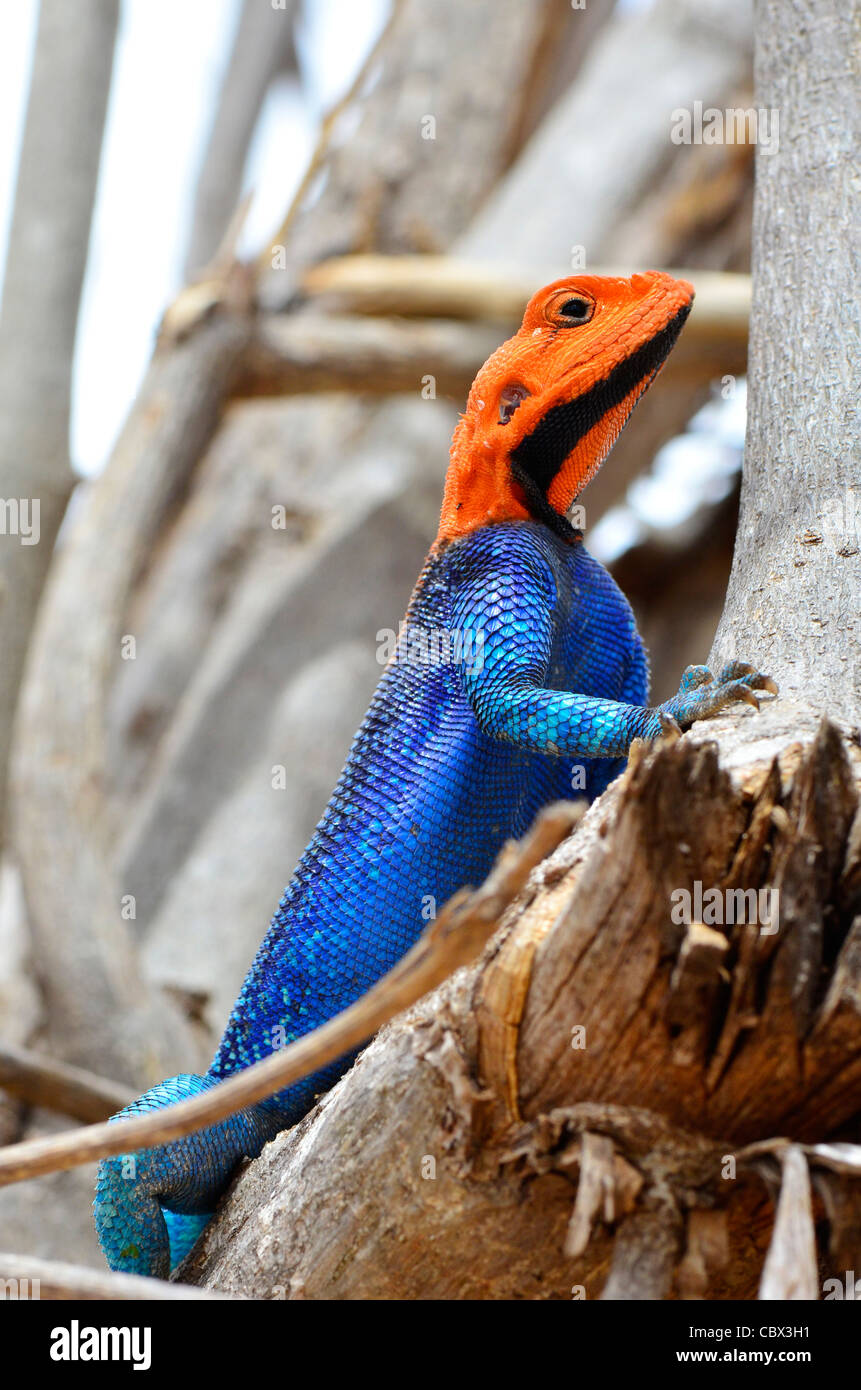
{"points": [[702, 695]]}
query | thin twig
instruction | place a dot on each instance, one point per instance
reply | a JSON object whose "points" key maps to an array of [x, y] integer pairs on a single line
{"points": [[327, 126], [55, 1280], [454, 939]]}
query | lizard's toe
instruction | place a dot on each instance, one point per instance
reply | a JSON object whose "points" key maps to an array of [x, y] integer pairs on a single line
{"points": [[733, 670], [742, 670], [701, 695], [695, 676], [736, 692]]}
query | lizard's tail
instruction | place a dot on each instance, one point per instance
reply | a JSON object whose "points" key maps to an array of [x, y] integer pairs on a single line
{"points": [[151, 1205]]}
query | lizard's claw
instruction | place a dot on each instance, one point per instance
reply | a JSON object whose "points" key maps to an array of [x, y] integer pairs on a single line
{"points": [[743, 692], [702, 695], [670, 731]]}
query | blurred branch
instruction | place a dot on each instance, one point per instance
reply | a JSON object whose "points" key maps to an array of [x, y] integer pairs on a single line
{"points": [[263, 48], [98, 1004], [291, 355], [41, 1081], [566, 37], [443, 286], [453, 939], [336, 352], [41, 293], [590, 164], [57, 1280], [675, 580], [403, 160]]}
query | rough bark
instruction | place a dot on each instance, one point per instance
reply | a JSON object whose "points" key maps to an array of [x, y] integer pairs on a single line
{"points": [[44, 272], [797, 570]]}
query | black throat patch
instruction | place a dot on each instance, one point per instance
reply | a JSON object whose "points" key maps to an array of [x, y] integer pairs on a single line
{"points": [[539, 456]]}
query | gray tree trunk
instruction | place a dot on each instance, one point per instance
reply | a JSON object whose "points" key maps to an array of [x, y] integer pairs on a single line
{"points": [[41, 292], [796, 577], [263, 48]]}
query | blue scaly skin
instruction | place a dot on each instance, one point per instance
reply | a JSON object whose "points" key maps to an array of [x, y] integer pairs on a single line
{"points": [[519, 678]]}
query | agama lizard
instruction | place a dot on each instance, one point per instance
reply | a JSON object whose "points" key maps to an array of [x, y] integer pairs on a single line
{"points": [[543, 668]]}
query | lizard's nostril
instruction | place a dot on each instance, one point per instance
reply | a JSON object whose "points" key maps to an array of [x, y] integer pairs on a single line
{"points": [[510, 398]]}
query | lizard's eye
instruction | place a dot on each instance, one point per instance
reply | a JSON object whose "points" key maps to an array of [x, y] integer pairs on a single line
{"points": [[510, 397], [569, 309], [575, 311]]}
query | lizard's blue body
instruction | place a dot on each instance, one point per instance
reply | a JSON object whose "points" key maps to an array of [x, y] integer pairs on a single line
{"points": [[519, 679]]}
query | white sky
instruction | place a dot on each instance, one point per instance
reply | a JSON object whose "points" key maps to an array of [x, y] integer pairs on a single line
{"points": [[169, 60]]}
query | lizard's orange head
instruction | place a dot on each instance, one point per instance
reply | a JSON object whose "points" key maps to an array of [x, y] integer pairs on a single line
{"points": [[547, 407]]}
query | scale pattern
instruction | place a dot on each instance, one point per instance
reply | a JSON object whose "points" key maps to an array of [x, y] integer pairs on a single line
{"points": [[471, 731], [404, 828]]}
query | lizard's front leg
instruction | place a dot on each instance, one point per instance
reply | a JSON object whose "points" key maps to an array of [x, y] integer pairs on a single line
{"points": [[513, 610]]}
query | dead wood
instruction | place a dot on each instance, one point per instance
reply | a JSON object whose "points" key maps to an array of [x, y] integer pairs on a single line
{"points": [[480, 1107]]}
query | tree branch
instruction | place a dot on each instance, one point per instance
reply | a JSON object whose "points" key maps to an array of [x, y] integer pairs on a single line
{"points": [[39, 1080], [41, 292], [444, 286], [263, 48], [98, 1004]]}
